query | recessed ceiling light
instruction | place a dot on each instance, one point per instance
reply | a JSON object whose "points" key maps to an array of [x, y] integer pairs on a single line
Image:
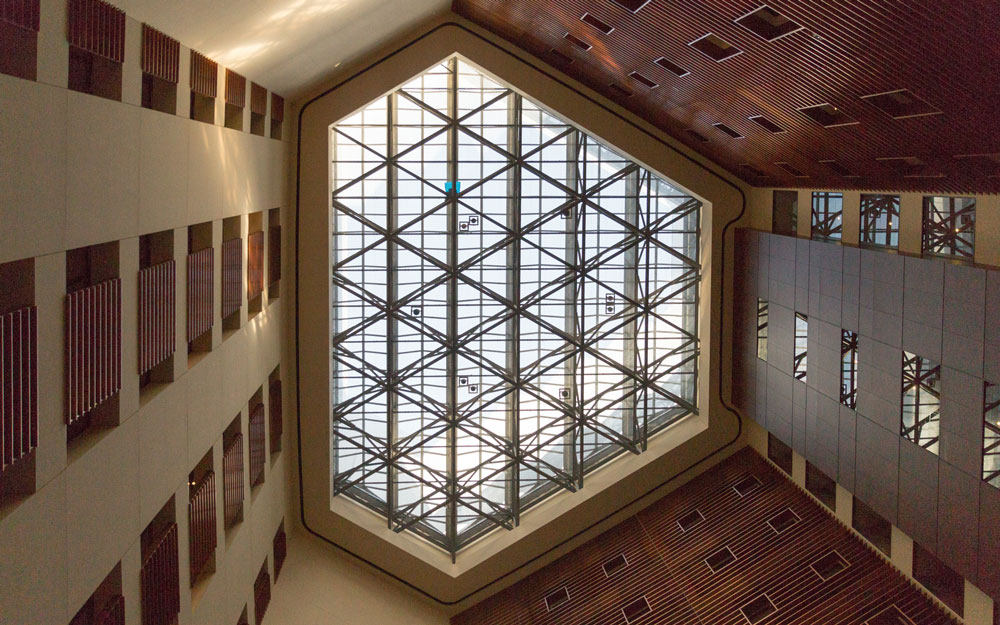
{"points": [[901, 104], [697, 135], [576, 41], [758, 609], [715, 48], [631, 5], [840, 169], [768, 24], [766, 123], [560, 57], [729, 131], [668, 65], [792, 170], [619, 90], [636, 76], [827, 115], [600, 25]]}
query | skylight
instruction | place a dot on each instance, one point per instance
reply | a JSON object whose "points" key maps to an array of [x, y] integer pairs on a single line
{"points": [[513, 304]]}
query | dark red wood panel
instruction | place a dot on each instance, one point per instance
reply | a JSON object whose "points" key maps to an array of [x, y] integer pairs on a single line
{"points": [[232, 276], [97, 27], [261, 594], [93, 347], [667, 565], [280, 550], [159, 581], [23, 13], [18, 385], [257, 452], [201, 524], [161, 55], [113, 613], [274, 406], [200, 292], [204, 75], [157, 314], [258, 99], [255, 264], [236, 88], [944, 54], [277, 107], [232, 472]]}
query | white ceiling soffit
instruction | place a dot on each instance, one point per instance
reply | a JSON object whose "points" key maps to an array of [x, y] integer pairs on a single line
{"points": [[285, 45]]}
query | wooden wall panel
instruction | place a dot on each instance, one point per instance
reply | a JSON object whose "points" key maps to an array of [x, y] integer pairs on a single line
{"points": [[97, 27], [161, 55], [667, 565]]}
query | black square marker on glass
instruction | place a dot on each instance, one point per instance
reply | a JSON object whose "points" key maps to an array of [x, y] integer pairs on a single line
{"points": [[415, 311], [610, 298], [473, 388], [463, 380], [463, 226], [564, 393], [609, 309], [474, 220]]}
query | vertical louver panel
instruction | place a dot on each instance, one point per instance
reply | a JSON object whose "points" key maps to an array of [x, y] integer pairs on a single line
{"points": [[232, 276], [113, 613], [258, 99], [232, 476], [200, 292], [161, 597], [280, 551], [261, 594], [19, 385], [157, 312], [274, 255], [255, 264], [236, 89], [201, 523], [204, 75], [161, 55], [23, 13], [277, 107], [274, 404], [97, 27], [257, 444], [93, 347]]}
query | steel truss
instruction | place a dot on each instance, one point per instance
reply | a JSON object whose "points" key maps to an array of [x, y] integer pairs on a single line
{"points": [[921, 422], [494, 341], [880, 220], [827, 213], [991, 434]]}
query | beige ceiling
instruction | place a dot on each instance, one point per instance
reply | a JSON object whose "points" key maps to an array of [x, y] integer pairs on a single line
{"points": [[285, 45]]}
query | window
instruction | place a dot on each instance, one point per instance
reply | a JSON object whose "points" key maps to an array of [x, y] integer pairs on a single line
{"points": [[849, 368], [880, 220], [542, 289], [801, 343], [827, 213], [762, 328], [949, 226], [160, 70], [921, 401], [991, 434], [784, 213]]}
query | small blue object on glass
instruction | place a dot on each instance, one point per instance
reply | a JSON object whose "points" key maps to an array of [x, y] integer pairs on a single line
{"points": [[448, 186]]}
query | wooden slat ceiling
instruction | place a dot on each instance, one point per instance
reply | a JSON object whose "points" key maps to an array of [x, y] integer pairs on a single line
{"points": [[945, 53]]}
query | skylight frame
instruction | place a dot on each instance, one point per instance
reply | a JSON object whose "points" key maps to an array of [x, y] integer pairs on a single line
{"points": [[465, 132]]}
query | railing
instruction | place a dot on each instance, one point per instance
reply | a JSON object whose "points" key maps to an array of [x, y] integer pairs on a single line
{"points": [[160, 584], [157, 312], [274, 403], [18, 385], [261, 594], [232, 276], [97, 27], [200, 289], [201, 524], [280, 551], [232, 477], [257, 454], [113, 613], [255, 264], [93, 347]]}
